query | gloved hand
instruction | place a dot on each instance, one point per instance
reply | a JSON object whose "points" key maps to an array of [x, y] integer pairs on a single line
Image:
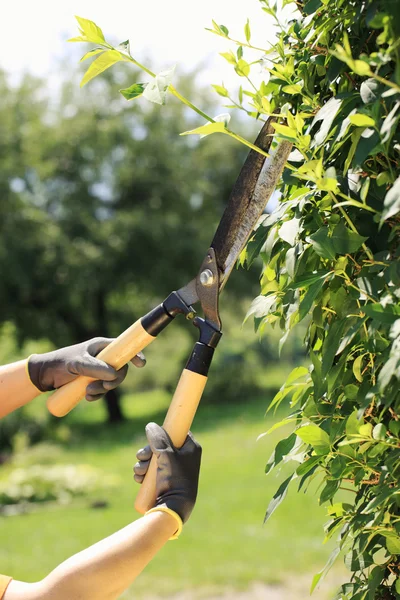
{"points": [[177, 472], [52, 370]]}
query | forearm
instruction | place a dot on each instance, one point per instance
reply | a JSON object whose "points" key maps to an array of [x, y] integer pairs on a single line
{"points": [[106, 569], [16, 389]]}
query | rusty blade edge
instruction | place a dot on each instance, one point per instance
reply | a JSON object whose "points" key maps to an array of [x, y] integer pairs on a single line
{"points": [[268, 180], [241, 229], [226, 235]]}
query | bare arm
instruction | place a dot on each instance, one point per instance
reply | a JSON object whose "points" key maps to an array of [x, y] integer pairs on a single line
{"points": [[22, 381], [16, 389], [102, 571]]}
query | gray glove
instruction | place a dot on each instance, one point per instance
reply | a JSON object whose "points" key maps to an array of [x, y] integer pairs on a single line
{"points": [[52, 370], [177, 472]]}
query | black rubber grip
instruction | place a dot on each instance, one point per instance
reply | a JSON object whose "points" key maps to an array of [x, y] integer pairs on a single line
{"points": [[156, 320], [200, 359]]}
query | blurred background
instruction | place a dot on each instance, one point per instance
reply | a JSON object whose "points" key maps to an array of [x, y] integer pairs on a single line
{"points": [[104, 210]]}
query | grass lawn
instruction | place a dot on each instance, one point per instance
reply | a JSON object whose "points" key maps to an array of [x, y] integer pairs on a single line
{"points": [[224, 543]]}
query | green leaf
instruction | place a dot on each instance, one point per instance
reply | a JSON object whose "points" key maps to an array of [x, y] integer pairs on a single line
{"points": [[361, 68], [353, 424], [309, 464], [355, 138], [326, 114], [156, 89], [90, 31], [221, 90], [224, 29], [316, 437], [219, 126], [368, 91], [307, 280], [346, 241], [351, 391], [379, 432], [393, 543], [374, 580], [247, 31], [309, 297], [384, 314], [311, 6], [296, 374], [380, 499], [319, 576], [242, 68], [285, 131], [282, 449], [322, 243], [229, 56], [124, 47], [289, 231], [389, 124], [91, 53], [391, 203], [332, 342], [278, 498], [100, 64], [77, 39], [329, 490], [134, 91], [361, 120], [357, 365], [292, 89], [261, 306]]}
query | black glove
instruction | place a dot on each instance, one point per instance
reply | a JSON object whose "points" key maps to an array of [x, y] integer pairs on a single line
{"points": [[177, 472], [52, 370]]}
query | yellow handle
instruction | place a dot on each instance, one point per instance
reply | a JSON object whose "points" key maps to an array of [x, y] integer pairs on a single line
{"points": [[177, 423], [117, 354]]}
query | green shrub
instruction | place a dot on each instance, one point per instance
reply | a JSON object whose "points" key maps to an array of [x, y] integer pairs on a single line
{"points": [[44, 483], [331, 249]]}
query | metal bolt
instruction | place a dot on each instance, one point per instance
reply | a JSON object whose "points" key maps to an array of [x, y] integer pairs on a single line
{"points": [[206, 278], [190, 316]]}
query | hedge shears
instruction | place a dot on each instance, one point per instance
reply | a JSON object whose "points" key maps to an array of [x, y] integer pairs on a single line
{"points": [[252, 190]]}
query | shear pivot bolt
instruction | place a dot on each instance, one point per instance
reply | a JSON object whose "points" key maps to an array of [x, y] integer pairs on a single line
{"points": [[206, 278]]}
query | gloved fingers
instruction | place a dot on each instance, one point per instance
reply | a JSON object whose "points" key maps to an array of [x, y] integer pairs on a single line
{"points": [[89, 366], [97, 344], [191, 444], [139, 360], [138, 478], [141, 467], [93, 397], [121, 374], [144, 453], [158, 438], [96, 388]]}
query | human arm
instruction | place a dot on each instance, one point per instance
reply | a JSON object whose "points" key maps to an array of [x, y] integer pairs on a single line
{"points": [[22, 381], [102, 571], [16, 388], [106, 569]]}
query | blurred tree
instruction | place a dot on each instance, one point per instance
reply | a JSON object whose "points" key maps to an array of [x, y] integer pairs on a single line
{"points": [[104, 208]]}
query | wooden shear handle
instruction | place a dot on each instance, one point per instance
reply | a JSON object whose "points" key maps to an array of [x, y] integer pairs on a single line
{"points": [[116, 354], [177, 423], [182, 409]]}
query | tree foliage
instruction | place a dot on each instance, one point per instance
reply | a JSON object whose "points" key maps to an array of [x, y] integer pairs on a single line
{"points": [[93, 190], [331, 252]]}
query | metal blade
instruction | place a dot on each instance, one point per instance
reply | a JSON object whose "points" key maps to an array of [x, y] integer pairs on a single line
{"points": [[246, 204]]}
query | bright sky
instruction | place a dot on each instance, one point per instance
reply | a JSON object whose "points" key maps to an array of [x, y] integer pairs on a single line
{"points": [[33, 33]]}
